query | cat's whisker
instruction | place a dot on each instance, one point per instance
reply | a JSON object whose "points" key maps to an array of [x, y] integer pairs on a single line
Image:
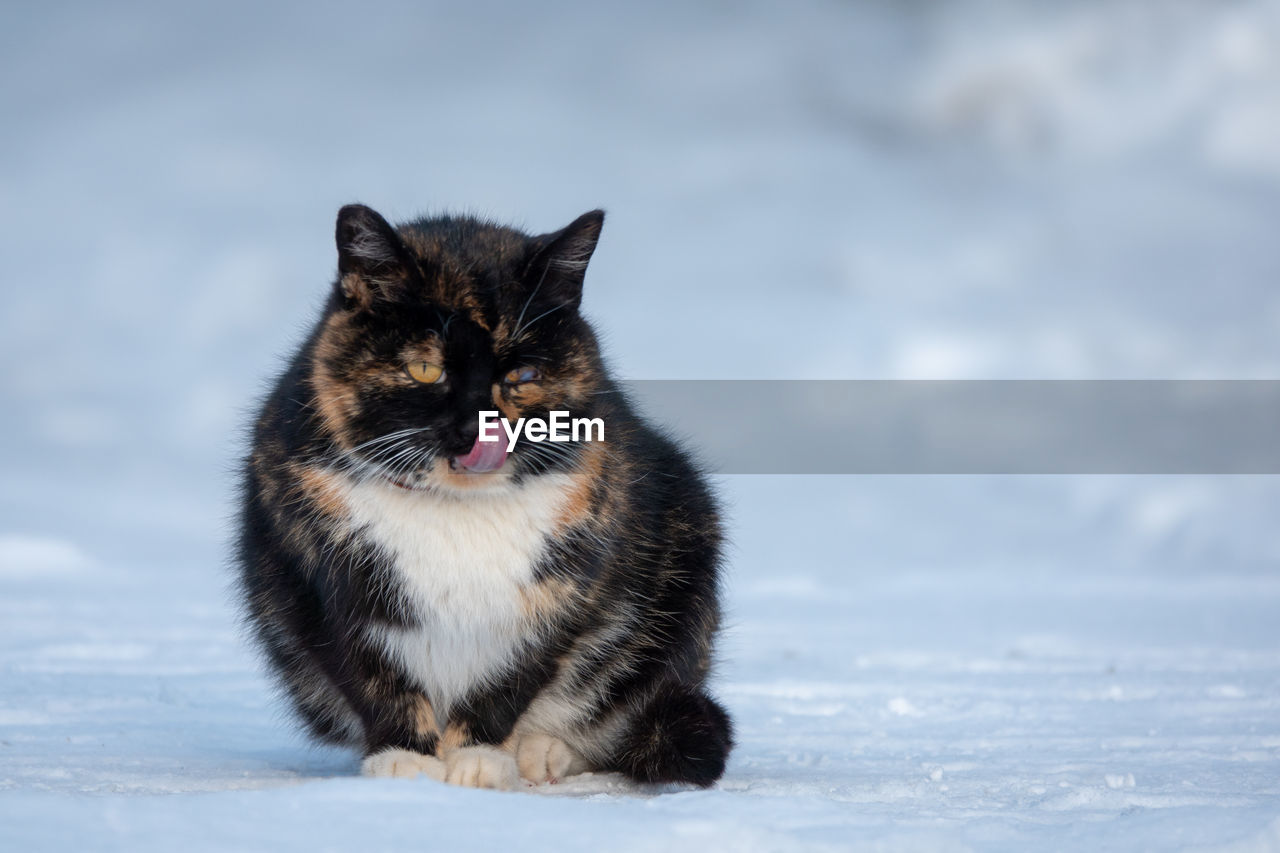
{"points": [[546, 455], [379, 453], [389, 448], [382, 439], [386, 458], [393, 464], [409, 464], [528, 325], [519, 320], [562, 447], [390, 436], [422, 460]]}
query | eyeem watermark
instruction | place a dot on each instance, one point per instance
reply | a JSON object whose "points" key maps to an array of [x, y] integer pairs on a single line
{"points": [[1015, 426], [560, 428]]}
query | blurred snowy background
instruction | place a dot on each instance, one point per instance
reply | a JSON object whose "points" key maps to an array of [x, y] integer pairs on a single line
{"points": [[893, 189]]}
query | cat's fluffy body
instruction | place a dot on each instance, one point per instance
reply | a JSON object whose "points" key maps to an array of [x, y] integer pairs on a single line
{"points": [[551, 616]]}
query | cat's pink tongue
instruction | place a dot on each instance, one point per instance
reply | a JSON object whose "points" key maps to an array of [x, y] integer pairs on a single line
{"points": [[486, 455]]}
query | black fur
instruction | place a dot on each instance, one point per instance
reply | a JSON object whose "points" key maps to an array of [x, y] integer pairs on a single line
{"points": [[622, 604], [680, 736]]}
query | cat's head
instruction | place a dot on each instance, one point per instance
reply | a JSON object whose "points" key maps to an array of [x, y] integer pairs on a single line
{"points": [[439, 319]]}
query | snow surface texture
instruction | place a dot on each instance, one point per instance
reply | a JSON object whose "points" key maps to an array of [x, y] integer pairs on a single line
{"points": [[883, 190]]}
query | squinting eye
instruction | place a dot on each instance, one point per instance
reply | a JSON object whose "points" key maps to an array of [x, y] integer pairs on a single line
{"points": [[424, 372], [522, 374]]}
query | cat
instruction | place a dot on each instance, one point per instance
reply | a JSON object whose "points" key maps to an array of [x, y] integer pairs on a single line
{"points": [[470, 612]]}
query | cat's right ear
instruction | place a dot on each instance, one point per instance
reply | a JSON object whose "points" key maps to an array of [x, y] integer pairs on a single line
{"points": [[371, 256]]}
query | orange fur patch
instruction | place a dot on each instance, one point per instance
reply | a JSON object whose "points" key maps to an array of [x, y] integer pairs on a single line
{"points": [[424, 718], [456, 736], [508, 408], [335, 401], [543, 600], [322, 488], [586, 477]]}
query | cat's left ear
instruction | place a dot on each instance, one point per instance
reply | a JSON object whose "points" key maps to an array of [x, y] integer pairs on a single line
{"points": [[559, 263]]}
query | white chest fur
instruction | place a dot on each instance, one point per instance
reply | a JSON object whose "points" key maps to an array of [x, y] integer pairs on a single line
{"points": [[462, 562]]}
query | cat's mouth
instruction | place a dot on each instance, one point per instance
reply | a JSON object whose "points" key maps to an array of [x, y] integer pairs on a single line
{"points": [[484, 457]]}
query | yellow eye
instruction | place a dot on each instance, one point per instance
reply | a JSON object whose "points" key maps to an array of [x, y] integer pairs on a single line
{"points": [[522, 374], [424, 372]]}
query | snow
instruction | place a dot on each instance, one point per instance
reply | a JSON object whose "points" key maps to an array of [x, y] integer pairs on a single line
{"points": [[927, 711], [974, 189]]}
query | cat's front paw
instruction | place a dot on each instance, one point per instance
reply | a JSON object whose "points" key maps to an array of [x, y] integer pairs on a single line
{"points": [[403, 764], [543, 758], [481, 767]]}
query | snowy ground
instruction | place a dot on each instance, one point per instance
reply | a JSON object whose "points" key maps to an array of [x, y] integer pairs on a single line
{"points": [[949, 709], [968, 189]]}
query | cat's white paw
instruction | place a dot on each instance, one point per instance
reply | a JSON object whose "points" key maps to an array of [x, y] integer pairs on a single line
{"points": [[403, 764], [543, 758], [481, 767]]}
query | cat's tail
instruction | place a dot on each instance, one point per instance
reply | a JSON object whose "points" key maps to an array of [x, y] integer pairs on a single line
{"points": [[680, 736]]}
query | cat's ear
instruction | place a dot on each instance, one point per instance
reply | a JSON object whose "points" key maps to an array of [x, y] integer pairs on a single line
{"points": [[371, 256], [560, 260]]}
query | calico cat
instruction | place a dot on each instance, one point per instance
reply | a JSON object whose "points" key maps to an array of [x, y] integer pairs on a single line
{"points": [[469, 611]]}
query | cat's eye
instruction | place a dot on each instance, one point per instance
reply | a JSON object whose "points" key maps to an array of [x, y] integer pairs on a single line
{"points": [[424, 372], [521, 375]]}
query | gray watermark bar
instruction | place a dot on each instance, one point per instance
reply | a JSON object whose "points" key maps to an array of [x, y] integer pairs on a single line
{"points": [[971, 427]]}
